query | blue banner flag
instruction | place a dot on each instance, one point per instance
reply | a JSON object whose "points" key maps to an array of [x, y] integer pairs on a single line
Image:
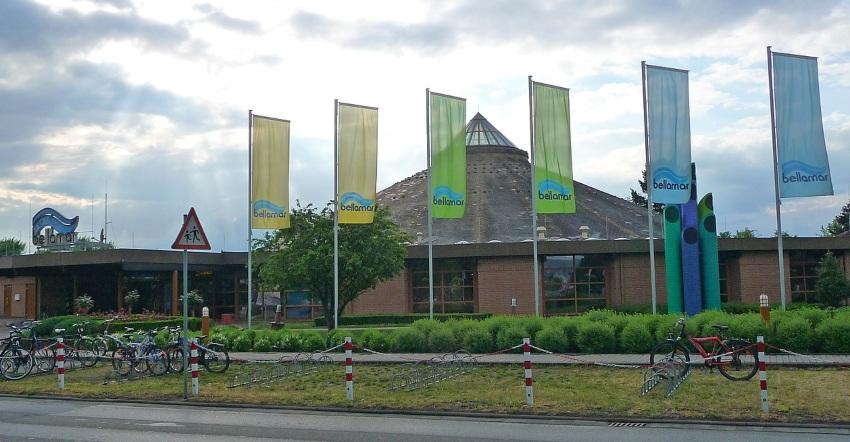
{"points": [[669, 130], [801, 149]]}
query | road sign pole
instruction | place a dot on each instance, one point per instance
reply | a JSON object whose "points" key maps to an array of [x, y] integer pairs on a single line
{"points": [[185, 324]]}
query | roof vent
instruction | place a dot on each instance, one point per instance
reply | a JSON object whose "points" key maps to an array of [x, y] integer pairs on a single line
{"points": [[584, 232], [541, 232]]}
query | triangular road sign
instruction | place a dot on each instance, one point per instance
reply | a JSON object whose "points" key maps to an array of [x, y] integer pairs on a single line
{"points": [[191, 236]]}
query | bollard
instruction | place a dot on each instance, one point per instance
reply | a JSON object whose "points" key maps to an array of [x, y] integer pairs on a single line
{"points": [[60, 361], [195, 384], [529, 382], [765, 407], [349, 370], [205, 321], [764, 307]]}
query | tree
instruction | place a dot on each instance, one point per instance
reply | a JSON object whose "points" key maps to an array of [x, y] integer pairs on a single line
{"points": [[640, 198], [11, 247], [832, 287], [746, 233], [839, 224], [302, 256]]}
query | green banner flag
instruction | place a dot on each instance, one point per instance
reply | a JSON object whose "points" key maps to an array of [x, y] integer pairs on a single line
{"points": [[270, 173], [358, 163], [553, 158], [448, 156]]}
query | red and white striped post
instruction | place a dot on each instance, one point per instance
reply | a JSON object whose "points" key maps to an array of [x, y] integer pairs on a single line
{"points": [[349, 370], [60, 361], [529, 381], [194, 353], [765, 407]]}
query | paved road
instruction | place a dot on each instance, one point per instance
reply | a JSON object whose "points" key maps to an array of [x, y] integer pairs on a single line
{"points": [[55, 420]]}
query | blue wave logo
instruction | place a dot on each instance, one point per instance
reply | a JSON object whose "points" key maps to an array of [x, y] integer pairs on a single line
{"points": [[349, 198], [795, 171], [552, 190], [666, 173], [48, 217], [268, 209], [445, 196]]}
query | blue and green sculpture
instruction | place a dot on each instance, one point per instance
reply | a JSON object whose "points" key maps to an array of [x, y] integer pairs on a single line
{"points": [[691, 254]]}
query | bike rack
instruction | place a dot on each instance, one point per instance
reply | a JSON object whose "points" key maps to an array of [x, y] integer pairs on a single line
{"points": [[256, 373], [425, 373], [669, 372]]}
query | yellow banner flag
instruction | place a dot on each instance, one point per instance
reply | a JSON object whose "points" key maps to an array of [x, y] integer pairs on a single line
{"points": [[358, 163], [270, 173]]}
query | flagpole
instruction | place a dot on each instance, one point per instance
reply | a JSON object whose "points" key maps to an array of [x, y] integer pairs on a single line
{"points": [[649, 192], [779, 246], [430, 197], [250, 217], [336, 214], [533, 199]]}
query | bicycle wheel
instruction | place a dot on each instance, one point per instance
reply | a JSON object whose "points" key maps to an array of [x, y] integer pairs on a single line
{"points": [[157, 362], [87, 352], [175, 359], [15, 364], [101, 346], [742, 364], [669, 351], [216, 359], [44, 359], [122, 360]]}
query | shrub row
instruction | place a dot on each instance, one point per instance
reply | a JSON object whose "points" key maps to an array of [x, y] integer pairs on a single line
{"points": [[397, 319], [806, 330], [94, 325]]}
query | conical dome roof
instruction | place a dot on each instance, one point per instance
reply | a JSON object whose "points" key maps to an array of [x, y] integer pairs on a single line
{"points": [[498, 184]]}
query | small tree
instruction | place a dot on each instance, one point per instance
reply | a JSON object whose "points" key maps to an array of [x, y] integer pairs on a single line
{"points": [[11, 247], [832, 287], [83, 303], [839, 224], [194, 300], [302, 256], [131, 299], [640, 198]]}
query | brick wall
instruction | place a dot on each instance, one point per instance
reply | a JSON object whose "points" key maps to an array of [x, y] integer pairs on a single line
{"points": [[758, 274], [503, 278], [388, 297], [627, 280]]}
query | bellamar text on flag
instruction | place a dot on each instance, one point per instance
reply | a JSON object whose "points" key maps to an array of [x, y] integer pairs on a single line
{"points": [[669, 133], [448, 156], [803, 164], [553, 164], [269, 173], [358, 163]]}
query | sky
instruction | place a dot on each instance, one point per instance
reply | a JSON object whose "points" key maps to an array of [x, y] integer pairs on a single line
{"points": [[148, 100]]}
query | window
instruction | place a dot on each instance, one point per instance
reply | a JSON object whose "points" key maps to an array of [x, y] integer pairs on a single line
{"points": [[804, 274], [724, 279], [454, 287], [573, 284], [300, 305]]}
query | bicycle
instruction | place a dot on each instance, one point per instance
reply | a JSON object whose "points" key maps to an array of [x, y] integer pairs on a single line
{"points": [[44, 354], [107, 341], [15, 361], [213, 356], [78, 346], [733, 357], [140, 356]]}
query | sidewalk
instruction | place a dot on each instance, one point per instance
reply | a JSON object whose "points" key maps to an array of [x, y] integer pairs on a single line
{"points": [[545, 359]]}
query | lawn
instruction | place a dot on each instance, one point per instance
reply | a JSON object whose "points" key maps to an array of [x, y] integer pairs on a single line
{"points": [[796, 395]]}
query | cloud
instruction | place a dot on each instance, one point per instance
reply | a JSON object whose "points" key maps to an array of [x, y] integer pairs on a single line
{"points": [[217, 17]]}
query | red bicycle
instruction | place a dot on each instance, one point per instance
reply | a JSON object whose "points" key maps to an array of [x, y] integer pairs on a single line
{"points": [[733, 357]]}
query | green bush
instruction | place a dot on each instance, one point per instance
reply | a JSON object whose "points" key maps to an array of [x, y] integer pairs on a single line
{"points": [[426, 326], [531, 324], [407, 340], [263, 344], [552, 339], [814, 315], [667, 326], [496, 324], [478, 340], [337, 337], [442, 340], [595, 337], [463, 327], [570, 328], [747, 326], [397, 318], [377, 340], [290, 342], [833, 336], [600, 315], [242, 342], [738, 308], [510, 336], [311, 341], [636, 338], [795, 334]]}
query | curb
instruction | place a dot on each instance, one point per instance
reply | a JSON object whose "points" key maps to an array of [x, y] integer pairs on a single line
{"points": [[444, 413]]}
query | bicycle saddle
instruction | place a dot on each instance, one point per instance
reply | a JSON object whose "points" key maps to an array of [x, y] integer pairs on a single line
{"points": [[721, 327]]}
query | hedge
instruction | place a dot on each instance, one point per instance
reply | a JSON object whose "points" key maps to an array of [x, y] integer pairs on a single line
{"points": [[397, 319], [92, 326], [805, 330]]}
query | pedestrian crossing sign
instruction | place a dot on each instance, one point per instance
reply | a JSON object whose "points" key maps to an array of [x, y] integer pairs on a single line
{"points": [[191, 235]]}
